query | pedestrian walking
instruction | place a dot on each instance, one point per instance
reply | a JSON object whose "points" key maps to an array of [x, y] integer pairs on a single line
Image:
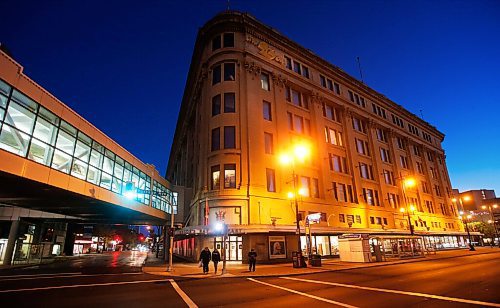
{"points": [[215, 258], [252, 259], [205, 257]]}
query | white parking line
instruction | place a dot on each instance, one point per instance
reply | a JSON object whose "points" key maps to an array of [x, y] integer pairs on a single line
{"points": [[445, 298], [303, 294], [83, 285], [43, 276], [184, 296]]}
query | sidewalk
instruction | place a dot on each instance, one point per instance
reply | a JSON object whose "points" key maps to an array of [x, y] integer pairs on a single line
{"points": [[158, 267]]}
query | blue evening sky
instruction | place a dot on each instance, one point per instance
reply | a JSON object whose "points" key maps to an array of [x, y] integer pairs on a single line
{"points": [[122, 65]]}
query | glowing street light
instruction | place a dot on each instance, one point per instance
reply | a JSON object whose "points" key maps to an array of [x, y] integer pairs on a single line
{"points": [[465, 219], [407, 182], [492, 219], [298, 153]]}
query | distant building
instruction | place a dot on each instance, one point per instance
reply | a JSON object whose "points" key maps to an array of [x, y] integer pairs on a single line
{"points": [[472, 200], [253, 94]]}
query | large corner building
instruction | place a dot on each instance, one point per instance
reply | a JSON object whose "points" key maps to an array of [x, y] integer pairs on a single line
{"points": [[253, 94]]}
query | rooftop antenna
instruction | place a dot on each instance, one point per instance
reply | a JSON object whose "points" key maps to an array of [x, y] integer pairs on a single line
{"points": [[360, 71], [228, 5], [421, 114]]}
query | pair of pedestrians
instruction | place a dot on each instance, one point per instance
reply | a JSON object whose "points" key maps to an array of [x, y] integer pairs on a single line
{"points": [[205, 258]]}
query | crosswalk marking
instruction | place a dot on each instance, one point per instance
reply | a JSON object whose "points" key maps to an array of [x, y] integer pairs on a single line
{"points": [[446, 298], [303, 294]]}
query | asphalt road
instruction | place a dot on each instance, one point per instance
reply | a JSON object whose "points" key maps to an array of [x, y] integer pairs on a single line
{"points": [[470, 281]]}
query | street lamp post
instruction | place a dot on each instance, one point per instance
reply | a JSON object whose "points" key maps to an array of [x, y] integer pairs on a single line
{"points": [[490, 209], [221, 226], [300, 152], [407, 183], [466, 220]]}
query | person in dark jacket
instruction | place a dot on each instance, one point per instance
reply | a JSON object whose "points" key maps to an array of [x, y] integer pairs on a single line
{"points": [[205, 257], [215, 258], [252, 259]]}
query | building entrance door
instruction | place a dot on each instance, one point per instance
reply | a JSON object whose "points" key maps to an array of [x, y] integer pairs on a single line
{"points": [[233, 246]]}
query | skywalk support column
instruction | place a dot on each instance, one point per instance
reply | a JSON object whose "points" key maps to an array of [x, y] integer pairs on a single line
{"points": [[11, 243]]}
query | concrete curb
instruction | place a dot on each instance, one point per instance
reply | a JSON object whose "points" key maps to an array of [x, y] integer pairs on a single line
{"points": [[319, 270]]}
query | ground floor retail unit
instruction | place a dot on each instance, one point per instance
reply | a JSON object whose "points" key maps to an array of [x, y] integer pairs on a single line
{"points": [[278, 247]]}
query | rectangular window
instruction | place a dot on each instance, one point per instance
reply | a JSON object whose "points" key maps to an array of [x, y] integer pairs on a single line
{"points": [[358, 219], [215, 170], [430, 206], [404, 161], [216, 139], [288, 62], [315, 188], [322, 80], [229, 176], [216, 103], [295, 97], [216, 74], [330, 84], [331, 113], [372, 220], [338, 163], [340, 192], [268, 143], [371, 196], [385, 221], [381, 135], [430, 157], [401, 143], [229, 72], [229, 103], [229, 137], [350, 219], [305, 71], [393, 200], [359, 125], [396, 120], [266, 111], [389, 177], [216, 43], [271, 184], [420, 168], [384, 155], [366, 171], [362, 147], [305, 185], [228, 40], [425, 187], [264, 82], [296, 67], [298, 124], [333, 137]]}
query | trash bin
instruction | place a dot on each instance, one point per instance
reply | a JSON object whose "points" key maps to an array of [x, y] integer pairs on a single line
{"points": [[298, 259], [315, 260]]}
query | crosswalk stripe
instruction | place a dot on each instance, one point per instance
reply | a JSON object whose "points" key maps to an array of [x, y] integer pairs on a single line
{"points": [[446, 298], [303, 294]]}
